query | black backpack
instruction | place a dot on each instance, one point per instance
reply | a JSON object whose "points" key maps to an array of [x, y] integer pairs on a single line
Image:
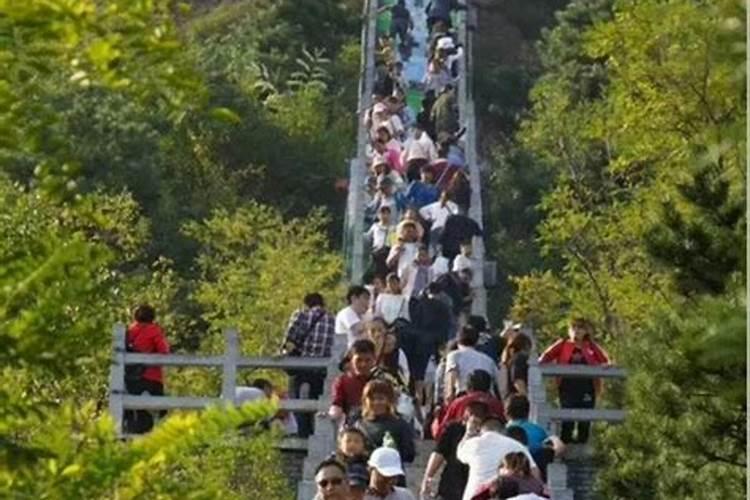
{"points": [[133, 373]]}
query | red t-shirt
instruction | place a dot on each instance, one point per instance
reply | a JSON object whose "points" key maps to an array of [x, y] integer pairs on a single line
{"points": [[455, 411], [149, 337], [347, 391]]}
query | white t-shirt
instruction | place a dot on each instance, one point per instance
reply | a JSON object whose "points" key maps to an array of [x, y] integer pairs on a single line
{"points": [[465, 360], [419, 148], [346, 319], [389, 307], [484, 454], [406, 257], [437, 213], [380, 235]]}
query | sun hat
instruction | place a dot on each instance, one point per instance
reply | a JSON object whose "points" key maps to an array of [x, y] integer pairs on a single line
{"points": [[387, 462]]}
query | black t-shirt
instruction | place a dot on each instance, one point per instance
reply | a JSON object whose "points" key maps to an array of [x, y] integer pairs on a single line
{"points": [[518, 369], [455, 473]]}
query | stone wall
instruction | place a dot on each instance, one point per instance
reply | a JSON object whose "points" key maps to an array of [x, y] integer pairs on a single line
{"points": [[293, 464], [581, 477]]}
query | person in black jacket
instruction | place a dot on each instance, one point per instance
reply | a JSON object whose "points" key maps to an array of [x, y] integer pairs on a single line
{"points": [[380, 422], [457, 285], [431, 320], [458, 229]]}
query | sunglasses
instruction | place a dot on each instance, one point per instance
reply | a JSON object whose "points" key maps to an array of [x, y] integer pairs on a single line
{"points": [[336, 481]]}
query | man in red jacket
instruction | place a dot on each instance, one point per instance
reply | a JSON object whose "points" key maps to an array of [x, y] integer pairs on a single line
{"points": [[478, 386], [144, 336]]}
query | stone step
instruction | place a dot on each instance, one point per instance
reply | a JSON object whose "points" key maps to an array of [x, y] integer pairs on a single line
{"points": [[415, 470]]}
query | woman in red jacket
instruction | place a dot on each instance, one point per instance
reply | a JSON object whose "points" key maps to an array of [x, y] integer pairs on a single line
{"points": [[144, 336], [578, 349]]}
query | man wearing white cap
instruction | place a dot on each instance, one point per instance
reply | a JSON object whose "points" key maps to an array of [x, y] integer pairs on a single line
{"points": [[385, 469]]}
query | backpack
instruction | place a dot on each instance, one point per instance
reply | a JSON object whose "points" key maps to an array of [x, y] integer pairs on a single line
{"points": [[133, 373]]}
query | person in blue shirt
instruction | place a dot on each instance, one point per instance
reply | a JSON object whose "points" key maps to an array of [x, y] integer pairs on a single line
{"points": [[517, 411], [422, 192]]}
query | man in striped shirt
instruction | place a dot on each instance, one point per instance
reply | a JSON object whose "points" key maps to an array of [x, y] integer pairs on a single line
{"points": [[310, 335]]}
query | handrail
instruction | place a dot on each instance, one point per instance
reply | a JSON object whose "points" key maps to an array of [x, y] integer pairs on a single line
{"points": [[278, 363], [132, 402], [582, 371], [230, 361], [543, 414]]}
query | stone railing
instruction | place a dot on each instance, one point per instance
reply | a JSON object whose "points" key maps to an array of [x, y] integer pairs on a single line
{"points": [[546, 415], [319, 445]]}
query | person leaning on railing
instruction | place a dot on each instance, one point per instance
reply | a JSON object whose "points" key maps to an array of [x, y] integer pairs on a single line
{"points": [[578, 349], [143, 336], [309, 335]]}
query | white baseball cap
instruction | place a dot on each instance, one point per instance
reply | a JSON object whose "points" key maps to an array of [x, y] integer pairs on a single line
{"points": [[386, 461]]}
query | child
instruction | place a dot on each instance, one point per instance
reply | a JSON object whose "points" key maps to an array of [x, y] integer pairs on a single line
{"points": [[382, 232], [352, 447], [348, 387]]}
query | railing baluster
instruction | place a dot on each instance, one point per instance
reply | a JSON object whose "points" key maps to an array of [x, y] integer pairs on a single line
{"points": [[229, 376], [117, 376]]}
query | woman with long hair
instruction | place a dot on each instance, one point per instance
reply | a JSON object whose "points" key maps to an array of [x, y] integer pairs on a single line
{"points": [[515, 362], [380, 423], [578, 349], [459, 190], [390, 359]]}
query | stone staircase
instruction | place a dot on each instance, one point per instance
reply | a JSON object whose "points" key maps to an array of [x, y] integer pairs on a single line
{"points": [[415, 471]]}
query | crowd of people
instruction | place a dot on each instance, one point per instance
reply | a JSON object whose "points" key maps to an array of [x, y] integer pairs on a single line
{"points": [[418, 363]]}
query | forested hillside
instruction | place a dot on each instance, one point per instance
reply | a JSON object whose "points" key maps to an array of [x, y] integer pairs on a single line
{"points": [[193, 156], [618, 194], [184, 158]]}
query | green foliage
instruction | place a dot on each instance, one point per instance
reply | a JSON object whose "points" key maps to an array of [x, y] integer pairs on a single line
{"points": [[117, 129], [636, 125], [687, 421], [255, 267], [189, 455], [706, 247], [48, 46]]}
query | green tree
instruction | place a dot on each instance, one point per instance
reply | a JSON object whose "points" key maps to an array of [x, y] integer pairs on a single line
{"points": [[255, 268]]}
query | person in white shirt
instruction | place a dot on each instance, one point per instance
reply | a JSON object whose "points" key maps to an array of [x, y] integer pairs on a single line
{"points": [[459, 364], [483, 448], [382, 232], [419, 146], [350, 320], [437, 213], [464, 260], [418, 274], [403, 252], [392, 303]]}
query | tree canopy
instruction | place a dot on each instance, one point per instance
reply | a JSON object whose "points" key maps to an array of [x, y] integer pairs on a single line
{"points": [[151, 154], [630, 161]]}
